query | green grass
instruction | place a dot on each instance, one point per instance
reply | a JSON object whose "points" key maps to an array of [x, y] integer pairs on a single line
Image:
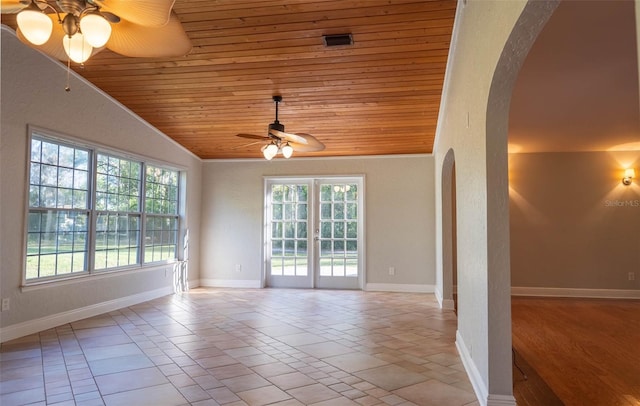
{"points": [[290, 266], [68, 263]]}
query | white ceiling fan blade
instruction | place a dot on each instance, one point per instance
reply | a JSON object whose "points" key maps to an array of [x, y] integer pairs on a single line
{"points": [[135, 40], [53, 47], [149, 13], [11, 6]]}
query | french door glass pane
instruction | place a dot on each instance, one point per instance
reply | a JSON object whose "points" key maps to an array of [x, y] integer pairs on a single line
{"points": [[276, 230], [351, 266], [289, 229], [339, 236]]}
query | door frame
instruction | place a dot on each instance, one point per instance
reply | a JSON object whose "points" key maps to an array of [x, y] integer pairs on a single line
{"points": [[288, 281], [362, 277]]}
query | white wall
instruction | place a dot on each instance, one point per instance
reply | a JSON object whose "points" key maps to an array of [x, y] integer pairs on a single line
{"points": [[399, 210], [491, 40], [33, 94]]}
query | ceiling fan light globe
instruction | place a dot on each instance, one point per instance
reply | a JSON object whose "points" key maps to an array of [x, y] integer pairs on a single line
{"points": [[35, 26], [270, 151], [77, 48], [287, 151], [96, 30]]}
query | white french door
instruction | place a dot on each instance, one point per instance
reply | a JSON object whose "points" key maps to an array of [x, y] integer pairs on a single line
{"points": [[338, 233], [287, 237], [314, 232]]}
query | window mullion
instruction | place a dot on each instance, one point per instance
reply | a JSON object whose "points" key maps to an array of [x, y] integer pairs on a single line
{"points": [[140, 213], [179, 254], [93, 162], [143, 213]]}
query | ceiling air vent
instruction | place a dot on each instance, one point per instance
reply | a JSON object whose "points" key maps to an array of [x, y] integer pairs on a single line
{"points": [[337, 40]]}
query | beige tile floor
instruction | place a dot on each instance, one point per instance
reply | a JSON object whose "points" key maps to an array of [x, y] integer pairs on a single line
{"points": [[246, 347]]}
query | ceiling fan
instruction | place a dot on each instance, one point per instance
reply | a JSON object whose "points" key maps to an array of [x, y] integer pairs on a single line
{"points": [[279, 141], [77, 29]]}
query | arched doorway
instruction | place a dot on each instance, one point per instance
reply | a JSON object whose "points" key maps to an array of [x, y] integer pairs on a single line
{"points": [[491, 41], [530, 22], [449, 247], [545, 259]]}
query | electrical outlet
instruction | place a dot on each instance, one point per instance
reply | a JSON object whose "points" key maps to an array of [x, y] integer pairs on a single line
{"points": [[238, 268], [392, 271], [6, 302], [632, 276]]}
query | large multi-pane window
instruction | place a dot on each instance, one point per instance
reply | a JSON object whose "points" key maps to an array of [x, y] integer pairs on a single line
{"points": [[57, 242], [117, 211], [91, 210], [161, 214]]}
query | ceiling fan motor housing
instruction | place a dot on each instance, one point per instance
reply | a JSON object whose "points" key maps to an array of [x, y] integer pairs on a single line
{"points": [[276, 126], [75, 7]]}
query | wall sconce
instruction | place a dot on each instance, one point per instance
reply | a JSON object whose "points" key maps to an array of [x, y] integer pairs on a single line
{"points": [[629, 174]]}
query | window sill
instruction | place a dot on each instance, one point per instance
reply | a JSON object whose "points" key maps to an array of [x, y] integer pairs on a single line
{"points": [[96, 275]]}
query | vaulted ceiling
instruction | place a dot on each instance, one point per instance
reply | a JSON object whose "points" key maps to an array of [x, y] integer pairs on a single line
{"points": [[380, 95]]}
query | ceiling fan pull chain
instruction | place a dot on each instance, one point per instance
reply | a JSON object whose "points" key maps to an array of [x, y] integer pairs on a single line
{"points": [[67, 88]]}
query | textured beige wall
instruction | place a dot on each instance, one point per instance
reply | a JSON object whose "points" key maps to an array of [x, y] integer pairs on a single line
{"points": [[573, 223], [491, 40], [399, 212], [33, 94]]}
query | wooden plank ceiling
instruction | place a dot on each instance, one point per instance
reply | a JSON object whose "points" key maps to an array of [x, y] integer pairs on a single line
{"points": [[380, 95]]}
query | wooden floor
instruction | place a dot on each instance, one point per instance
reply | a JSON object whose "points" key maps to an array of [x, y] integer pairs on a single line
{"points": [[529, 388], [586, 350]]}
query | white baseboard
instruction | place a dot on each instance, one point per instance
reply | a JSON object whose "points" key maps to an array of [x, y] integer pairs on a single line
{"points": [[399, 287], [231, 283], [445, 304], [501, 400], [44, 323], [479, 387], [438, 293], [373, 287], [577, 293], [448, 304]]}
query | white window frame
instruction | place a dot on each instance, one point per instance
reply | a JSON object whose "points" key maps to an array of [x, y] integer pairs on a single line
{"points": [[93, 212]]}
